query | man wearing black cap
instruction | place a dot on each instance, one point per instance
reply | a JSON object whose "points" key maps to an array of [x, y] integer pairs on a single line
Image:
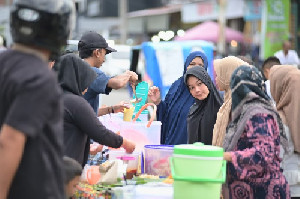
{"points": [[93, 48]]}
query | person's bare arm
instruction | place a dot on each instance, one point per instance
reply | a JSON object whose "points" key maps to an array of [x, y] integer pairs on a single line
{"points": [[113, 109], [12, 144], [120, 81]]}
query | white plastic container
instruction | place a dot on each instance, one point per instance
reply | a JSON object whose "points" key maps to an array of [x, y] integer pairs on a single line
{"points": [[131, 159], [140, 134]]}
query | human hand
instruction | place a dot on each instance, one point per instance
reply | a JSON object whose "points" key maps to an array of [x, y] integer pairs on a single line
{"points": [[154, 95], [120, 107], [133, 77], [227, 156], [124, 79], [128, 146], [95, 148]]}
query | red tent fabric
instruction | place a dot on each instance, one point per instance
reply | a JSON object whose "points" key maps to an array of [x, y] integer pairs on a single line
{"points": [[209, 31]]}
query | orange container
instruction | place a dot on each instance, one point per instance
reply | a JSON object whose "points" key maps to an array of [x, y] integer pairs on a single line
{"points": [[93, 174]]}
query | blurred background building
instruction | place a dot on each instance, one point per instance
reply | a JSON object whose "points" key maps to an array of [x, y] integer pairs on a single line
{"points": [[132, 22], [145, 19], [140, 29]]}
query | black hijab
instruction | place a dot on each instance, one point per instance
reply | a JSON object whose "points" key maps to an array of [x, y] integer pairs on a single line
{"points": [[203, 113], [74, 74]]}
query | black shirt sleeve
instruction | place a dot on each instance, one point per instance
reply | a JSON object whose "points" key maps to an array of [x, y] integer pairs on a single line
{"points": [[33, 103], [86, 119]]}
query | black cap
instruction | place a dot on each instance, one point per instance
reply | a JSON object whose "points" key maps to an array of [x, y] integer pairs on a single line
{"points": [[92, 40]]}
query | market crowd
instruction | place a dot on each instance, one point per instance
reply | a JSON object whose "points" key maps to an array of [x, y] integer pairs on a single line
{"points": [[50, 104]]}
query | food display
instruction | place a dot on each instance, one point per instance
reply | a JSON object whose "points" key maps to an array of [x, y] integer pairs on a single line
{"points": [[85, 190]]}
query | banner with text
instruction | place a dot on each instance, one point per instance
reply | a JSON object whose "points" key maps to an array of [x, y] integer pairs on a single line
{"points": [[275, 26]]}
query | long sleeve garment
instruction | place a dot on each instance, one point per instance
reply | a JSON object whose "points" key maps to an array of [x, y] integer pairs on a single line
{"points": [[173, 112], [291, 165], [255, 168], [80, 124]]}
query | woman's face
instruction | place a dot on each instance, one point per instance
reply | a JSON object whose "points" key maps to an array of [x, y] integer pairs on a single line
{"points": [[218, 84], [197, 61], [197, 88]]}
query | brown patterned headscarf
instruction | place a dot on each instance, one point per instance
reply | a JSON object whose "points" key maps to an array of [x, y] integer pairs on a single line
{"points": [[284, 82]]}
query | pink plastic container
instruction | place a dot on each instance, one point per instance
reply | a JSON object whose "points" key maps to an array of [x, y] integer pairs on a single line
{"points": [[157, 159]]}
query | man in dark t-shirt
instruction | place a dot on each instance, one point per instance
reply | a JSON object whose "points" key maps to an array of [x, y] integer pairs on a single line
{"points": [[31, 120], [31, 106]]}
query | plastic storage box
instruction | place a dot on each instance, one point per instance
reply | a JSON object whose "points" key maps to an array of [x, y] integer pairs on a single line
{"points": [[157, 159]]}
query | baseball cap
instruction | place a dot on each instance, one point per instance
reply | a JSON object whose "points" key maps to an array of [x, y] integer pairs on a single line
{"points": [[92, 40]]}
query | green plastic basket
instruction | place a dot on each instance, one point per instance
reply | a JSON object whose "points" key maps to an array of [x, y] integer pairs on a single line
{"points": [[199, 161], [193, 187]]}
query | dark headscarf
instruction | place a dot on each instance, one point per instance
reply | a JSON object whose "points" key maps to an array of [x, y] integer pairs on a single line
{"points": [[74, 74], [203, 113], [249, 98], [245, 81], [174, 110]]}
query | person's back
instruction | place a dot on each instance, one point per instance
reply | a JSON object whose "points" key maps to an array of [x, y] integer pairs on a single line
{"points": [[31, 107], [266, 67], [40, 121], [73, 133], [80, 121], [252, 140], [285, 81]]}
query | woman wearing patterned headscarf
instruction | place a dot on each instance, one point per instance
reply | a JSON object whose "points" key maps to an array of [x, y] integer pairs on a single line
{"points": [[285, 81], [252, 140], [224, 69], [202, 115], [173, 111]]}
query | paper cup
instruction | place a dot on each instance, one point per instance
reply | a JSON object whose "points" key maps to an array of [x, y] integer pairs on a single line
{"points": [[128, 113]]}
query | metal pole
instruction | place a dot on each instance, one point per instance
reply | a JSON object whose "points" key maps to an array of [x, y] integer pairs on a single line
{"points": [[123, 20], [222, 23]]}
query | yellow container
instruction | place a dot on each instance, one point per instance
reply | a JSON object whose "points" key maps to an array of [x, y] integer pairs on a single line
{"points": [[128, 113]]}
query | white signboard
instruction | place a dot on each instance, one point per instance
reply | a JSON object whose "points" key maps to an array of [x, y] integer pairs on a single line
{"points": [[171, 63], [209, 10]]}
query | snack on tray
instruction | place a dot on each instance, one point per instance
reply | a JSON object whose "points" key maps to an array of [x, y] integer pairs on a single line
{"points": [[149, 176]]}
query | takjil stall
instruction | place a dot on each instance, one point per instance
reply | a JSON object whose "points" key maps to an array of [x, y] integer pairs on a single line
{"points": [[164, 61]]}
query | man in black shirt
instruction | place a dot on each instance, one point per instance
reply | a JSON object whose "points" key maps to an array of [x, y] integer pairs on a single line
{"points": [[31, 132]]}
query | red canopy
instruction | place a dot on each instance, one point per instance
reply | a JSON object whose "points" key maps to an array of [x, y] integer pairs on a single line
{"points": [[209, 31]]}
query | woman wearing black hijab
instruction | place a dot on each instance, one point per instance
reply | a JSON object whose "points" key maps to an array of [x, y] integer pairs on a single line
{"points": [[80, 121], [203, 113]]}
